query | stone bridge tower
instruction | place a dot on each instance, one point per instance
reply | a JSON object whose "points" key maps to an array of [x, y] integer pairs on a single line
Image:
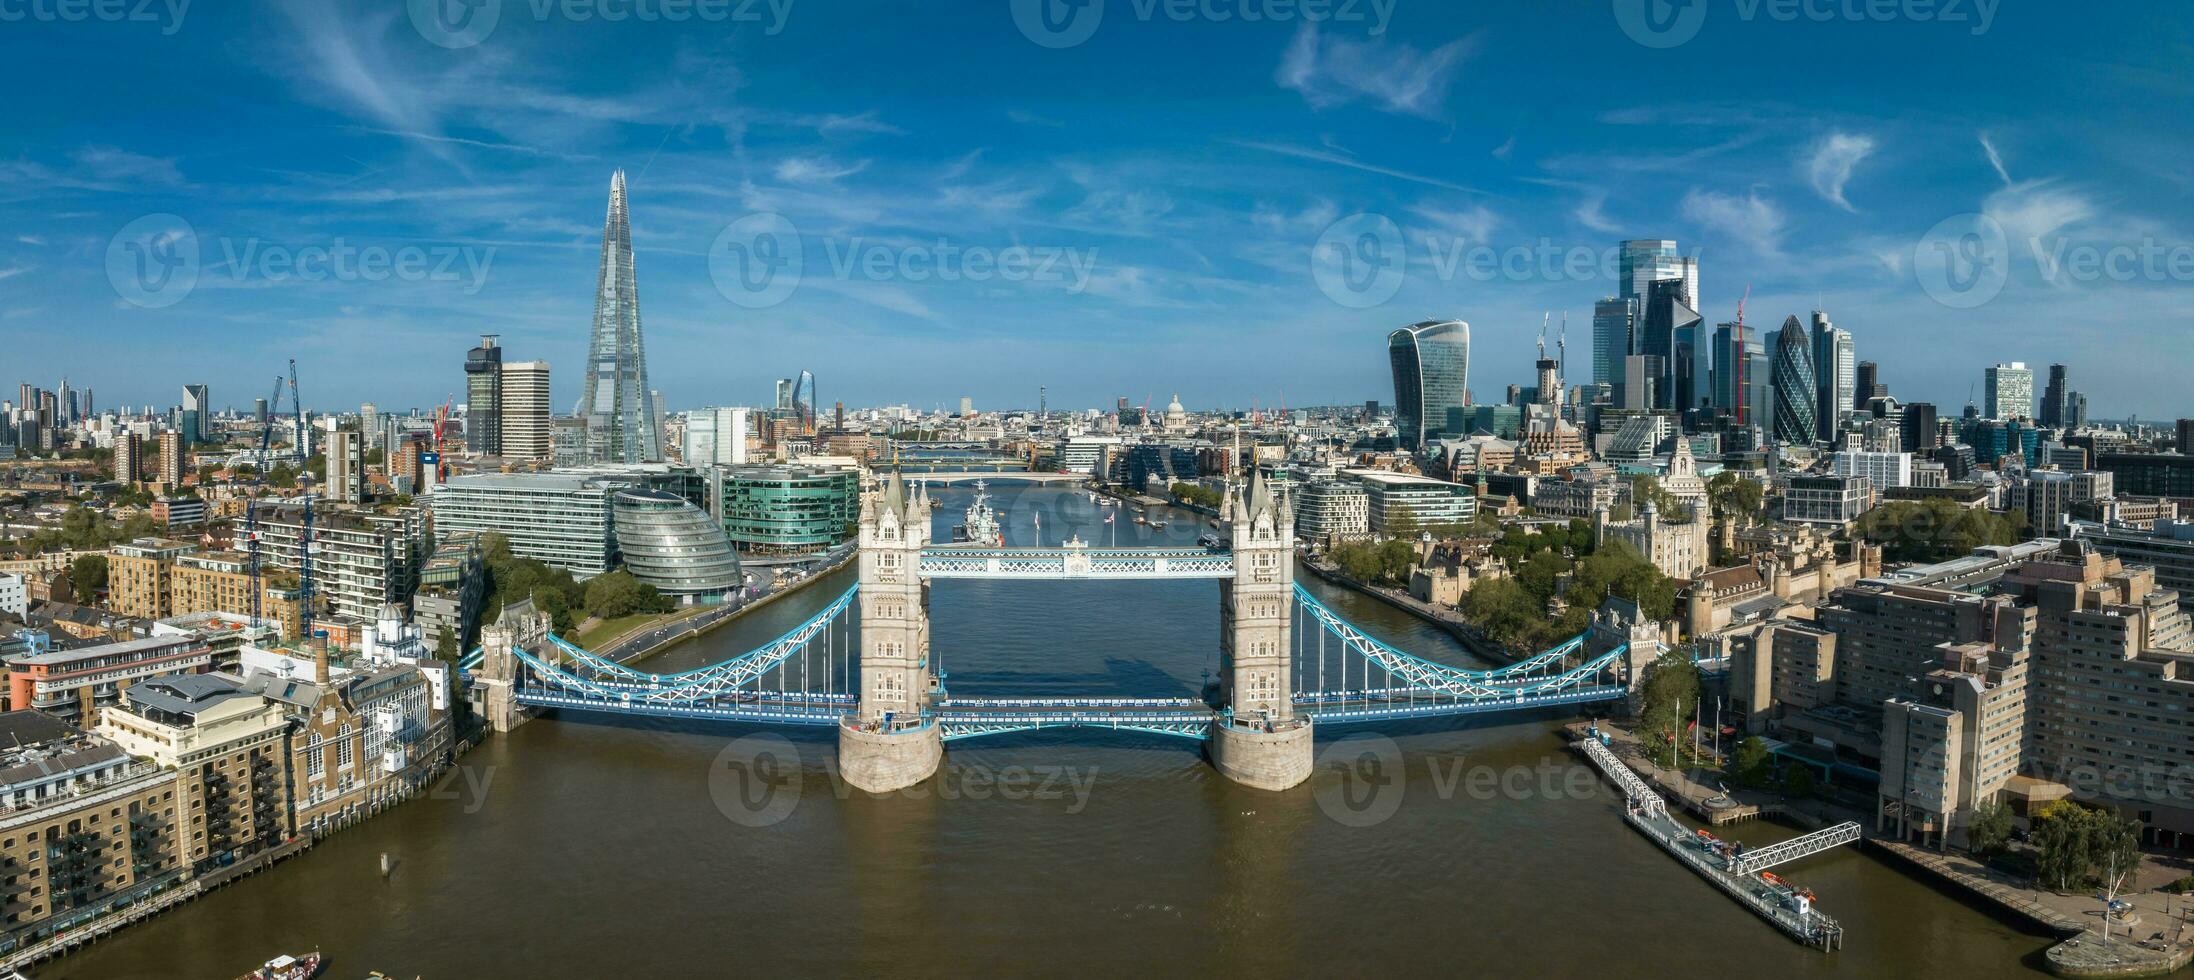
{"points": [[1261, 741], [499, 667], [890, 741]]}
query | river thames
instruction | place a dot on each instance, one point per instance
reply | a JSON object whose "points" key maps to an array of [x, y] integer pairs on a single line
{"points": [[585, 846]]}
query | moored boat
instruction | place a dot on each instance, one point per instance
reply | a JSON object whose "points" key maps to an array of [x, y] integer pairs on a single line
{"points": [[287, 967]]}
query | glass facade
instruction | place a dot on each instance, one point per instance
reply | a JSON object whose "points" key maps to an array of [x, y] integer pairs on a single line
{"points": [[788, 510], [1795, 395], [672, 545], [1431, 363]]}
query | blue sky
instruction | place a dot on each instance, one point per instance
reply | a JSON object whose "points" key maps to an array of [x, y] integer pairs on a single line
{"points": [[1169, 176]]}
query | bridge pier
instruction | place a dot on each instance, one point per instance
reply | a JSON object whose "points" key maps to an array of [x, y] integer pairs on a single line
{"points": [[499, 669], [1268, 760], [882, 761]]}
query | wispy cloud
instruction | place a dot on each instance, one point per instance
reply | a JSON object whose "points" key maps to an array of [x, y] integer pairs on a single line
{"points": [[1829, 166], [1473, 224], [1995, 159], [1332, 71], [1751, 220], [1343, 160], [816, 170]]}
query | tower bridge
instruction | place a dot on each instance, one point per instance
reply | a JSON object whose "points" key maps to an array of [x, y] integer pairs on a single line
{"points": [[1288, 664]]}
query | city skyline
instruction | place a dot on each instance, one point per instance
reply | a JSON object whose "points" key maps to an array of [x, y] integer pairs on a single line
{"points": [[1174, 233]]}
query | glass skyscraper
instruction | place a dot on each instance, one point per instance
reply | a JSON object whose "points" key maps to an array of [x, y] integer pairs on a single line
{"points": [[1431, 380], [2010, 392], [1835, 367], [1611, 325], [618, 405], [1796, 396]]}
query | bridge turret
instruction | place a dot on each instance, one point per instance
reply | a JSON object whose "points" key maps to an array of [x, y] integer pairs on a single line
{"points": [[500, 667], [890, 742], [1262, 742]]}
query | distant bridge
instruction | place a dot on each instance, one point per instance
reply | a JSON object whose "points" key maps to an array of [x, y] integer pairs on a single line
{"points": [[1000, 477]]}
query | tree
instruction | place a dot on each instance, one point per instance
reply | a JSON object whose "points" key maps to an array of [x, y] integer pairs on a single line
{"points": [[1646, 487], [282, 477], [208, 472], [1799, 781], [2115, 849], [1935, 529], [618, 593], [1671, 693], [445, 644], [1752, 762], [88, 574], [1990, 829], [1403, 523], [1730, 494]]}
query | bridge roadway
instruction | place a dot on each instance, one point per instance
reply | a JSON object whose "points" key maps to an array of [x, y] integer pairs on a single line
{"points": [[986, 562], [994, 476], [972, 717]]}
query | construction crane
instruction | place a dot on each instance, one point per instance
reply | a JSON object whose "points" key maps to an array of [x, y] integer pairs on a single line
{"points": [[441, 429], [307, 543], [251, 507]]}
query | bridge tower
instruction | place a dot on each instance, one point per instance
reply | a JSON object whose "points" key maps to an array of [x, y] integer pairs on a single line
{"points": [[1260, 741], [499, 668], [891, 741]]}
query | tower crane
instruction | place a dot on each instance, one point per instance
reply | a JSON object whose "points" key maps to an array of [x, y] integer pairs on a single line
{"points": [[251, 507]]}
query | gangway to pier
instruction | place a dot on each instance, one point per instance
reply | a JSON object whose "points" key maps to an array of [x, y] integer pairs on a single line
{"points": [[1641, 795], [1753, 862]]}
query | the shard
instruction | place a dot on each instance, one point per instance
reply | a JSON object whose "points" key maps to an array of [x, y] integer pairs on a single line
{"points": [[618, 405]]}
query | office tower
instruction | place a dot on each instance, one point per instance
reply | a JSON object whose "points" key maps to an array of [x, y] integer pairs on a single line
{"points": [[1731, 375], [64, 404], [171, 459], [346, 467], [967, 406], [784, 394], [369, 425], [484, 398], [2076, 410], [259, 412], [1673, 331], [1611, 340], [2056, 399], [524, 412], [129, 458], [2186, 436], [1371, 408], [1431, 362], [1795, 394], [1835, 374], [1640, 387], [1868, 384], [1920, 428], [1550, 380], [1642, 263], [716, 437], [803, 402], [89, 412], [619, 406], [196, 406], [2009, 392]]}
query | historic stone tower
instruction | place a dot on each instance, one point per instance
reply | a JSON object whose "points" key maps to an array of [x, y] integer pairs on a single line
{"points": [[1261, 741], [890, 742], [499, 668]]}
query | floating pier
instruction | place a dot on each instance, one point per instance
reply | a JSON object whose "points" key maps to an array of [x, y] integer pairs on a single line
{"points": [[1735, 872]]}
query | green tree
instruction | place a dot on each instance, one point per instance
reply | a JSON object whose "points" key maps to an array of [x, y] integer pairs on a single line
{"points": [[208, 472], [1799, 781], [1403, 523], [618, 593], [1645, 487], [1990, 829], [445, 644], [282, 477], [1670, 697], [87, 575], [1936, 529], [1732, 494], [1752, 763]]}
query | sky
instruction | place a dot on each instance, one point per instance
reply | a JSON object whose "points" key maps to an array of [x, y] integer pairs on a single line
{"points": [[1231, 199]]}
